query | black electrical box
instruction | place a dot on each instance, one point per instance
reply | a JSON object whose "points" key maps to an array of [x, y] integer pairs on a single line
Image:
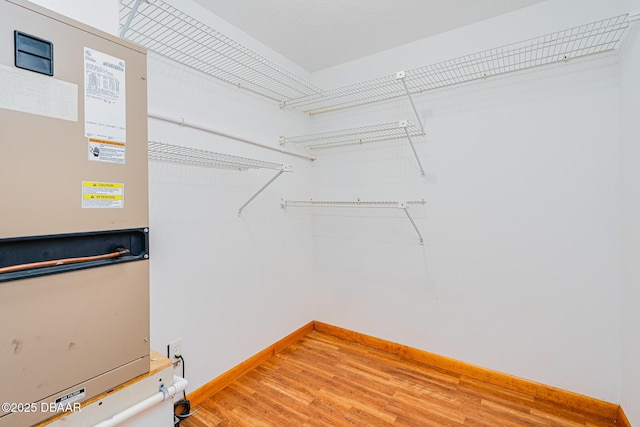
{"points": [[33, 53]]}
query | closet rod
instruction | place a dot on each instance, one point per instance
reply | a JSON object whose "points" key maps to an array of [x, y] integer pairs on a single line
{"points": [[184, 123], [348, 203], [403, 205]]}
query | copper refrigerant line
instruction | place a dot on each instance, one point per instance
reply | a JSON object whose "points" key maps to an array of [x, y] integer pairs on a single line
{"points": [[55, 262]]}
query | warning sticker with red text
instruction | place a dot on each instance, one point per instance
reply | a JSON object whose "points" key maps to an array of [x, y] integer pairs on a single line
{"points": [[101, 150]]}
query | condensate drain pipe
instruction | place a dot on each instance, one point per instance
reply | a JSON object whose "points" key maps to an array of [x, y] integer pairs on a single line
{"points": [[179, 384]]}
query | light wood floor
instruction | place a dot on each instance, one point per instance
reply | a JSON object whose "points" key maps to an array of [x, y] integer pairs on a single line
{"points": [[326, 381]]}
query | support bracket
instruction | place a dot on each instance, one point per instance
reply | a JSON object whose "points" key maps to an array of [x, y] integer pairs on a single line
{"points": [[401, 75], [405, 207], [285, 168], [415, 153]]}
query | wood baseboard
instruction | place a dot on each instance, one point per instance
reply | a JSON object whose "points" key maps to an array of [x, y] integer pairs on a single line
{"points": [[622, 419], [201, 394], [566, 398]]}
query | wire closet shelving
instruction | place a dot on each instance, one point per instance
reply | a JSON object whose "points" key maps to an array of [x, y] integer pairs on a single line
{"points": [[172, 33], [354, 136], [403, 205], [160, 151], [357, 136], [589, 39]]}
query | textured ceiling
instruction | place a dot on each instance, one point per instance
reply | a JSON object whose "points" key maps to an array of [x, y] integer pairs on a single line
{"points": [[318, 34]]}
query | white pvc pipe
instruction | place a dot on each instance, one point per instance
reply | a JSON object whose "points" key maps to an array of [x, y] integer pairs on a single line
{"points": [[183, 122], [179, 384]]}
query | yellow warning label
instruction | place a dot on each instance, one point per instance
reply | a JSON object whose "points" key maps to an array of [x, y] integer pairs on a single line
{"points": [[102, 184], [102, 194]]}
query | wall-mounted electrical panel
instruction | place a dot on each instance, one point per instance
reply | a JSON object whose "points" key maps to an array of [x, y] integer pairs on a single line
{"points": [[74, 236]]}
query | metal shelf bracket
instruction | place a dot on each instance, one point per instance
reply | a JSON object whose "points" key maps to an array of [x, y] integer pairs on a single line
{"points": [[405, 207], [401, 75], [413, 148], [285, 168]]}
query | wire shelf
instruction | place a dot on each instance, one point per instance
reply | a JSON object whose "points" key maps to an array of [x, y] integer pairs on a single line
{"points": [[402, 205], [349, 204], [355, 136], [167, 31], [190, 156], [588, 39]]}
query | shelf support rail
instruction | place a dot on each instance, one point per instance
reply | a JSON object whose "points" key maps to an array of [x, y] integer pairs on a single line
{"points": [[404, 205], [401, 75], [415, 153], [285, 168]]}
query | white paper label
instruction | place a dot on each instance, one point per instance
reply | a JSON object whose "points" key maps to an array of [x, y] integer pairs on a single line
{"points": [[105, 113], [29, 92], [106, 151]]}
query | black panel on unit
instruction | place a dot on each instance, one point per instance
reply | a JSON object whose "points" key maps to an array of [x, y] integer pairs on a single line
{"points": [[25, 257], [33, 53]]}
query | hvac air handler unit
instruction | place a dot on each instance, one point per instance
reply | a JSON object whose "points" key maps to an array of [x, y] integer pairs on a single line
{"points": [[74, 273]]}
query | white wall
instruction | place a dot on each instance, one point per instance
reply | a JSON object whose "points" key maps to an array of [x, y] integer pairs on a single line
{"points": [[228, 286], [531, 212], [520, 268], [101, 14], [523, 24], [629, 153]]}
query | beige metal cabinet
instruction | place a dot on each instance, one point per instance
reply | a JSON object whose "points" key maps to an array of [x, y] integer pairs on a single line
{"points": [[68, 334]]}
